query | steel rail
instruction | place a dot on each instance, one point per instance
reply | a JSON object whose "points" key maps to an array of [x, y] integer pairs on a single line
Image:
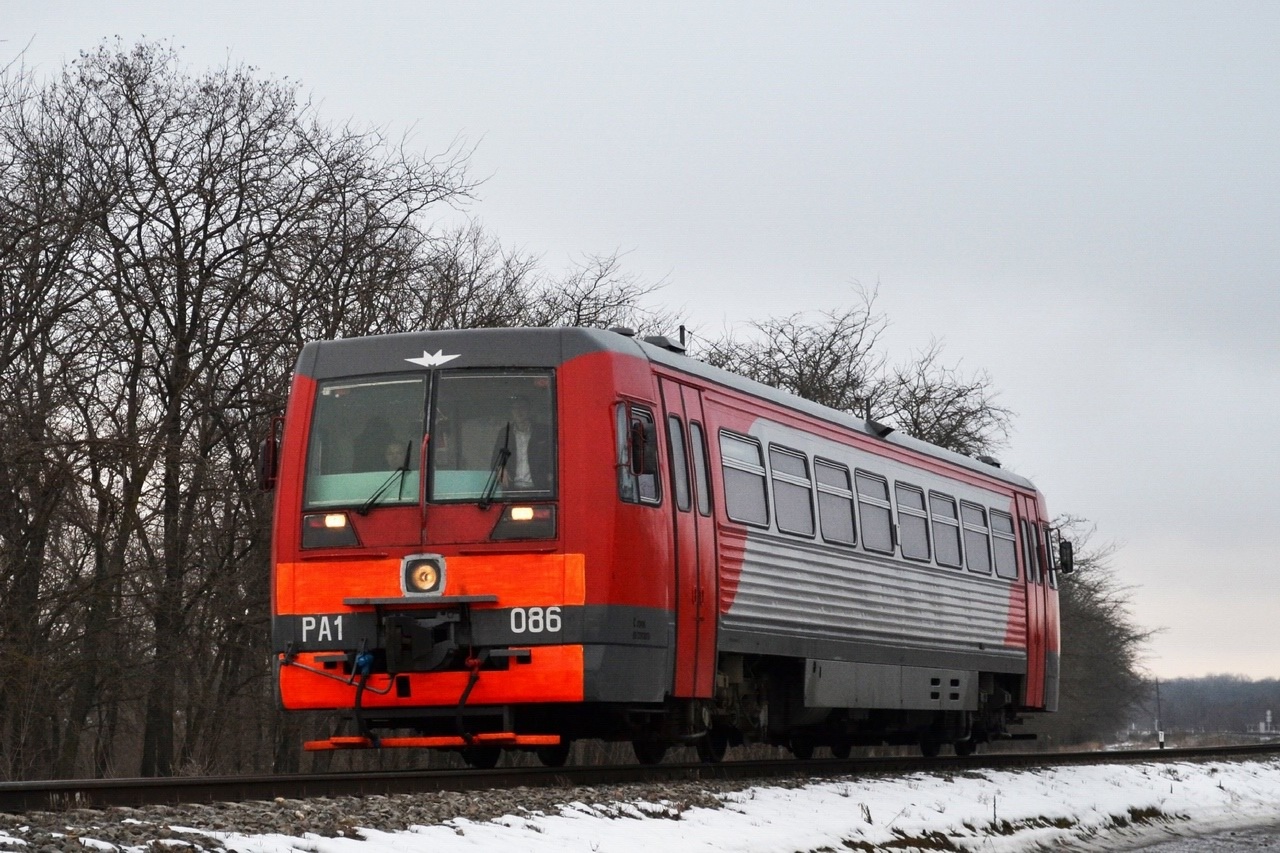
{"points": [[60, 795]]}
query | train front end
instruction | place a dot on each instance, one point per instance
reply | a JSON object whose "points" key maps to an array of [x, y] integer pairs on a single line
{"points": [[420, 581]]}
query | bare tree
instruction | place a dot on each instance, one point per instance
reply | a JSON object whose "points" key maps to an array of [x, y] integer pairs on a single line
{"points": [[473, 282], [195, 230], [836, 360], [597, 292], [44, 210], [940, 405], [833, 360]]}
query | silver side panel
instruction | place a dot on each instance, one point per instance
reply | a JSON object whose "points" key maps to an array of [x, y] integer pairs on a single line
{"points": [[808, 591], [834, 602]]}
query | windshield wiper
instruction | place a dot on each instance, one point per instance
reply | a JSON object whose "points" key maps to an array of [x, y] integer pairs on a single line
{"points": [[499, 465], [399, 472]]}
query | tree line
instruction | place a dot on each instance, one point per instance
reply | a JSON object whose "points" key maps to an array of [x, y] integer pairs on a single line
{"points": [[1213, 704], [168, 242]]}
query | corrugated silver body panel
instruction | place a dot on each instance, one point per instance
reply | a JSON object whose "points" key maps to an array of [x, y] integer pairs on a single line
{"points": [[842, 604]]}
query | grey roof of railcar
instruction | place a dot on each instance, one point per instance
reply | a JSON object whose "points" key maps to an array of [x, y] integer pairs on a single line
{"points": [[552, 346], [680, 362]]}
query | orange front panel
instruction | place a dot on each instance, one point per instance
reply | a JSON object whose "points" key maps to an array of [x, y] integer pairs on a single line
{"points": [[519, 580], [553, 674], [524, 580]]}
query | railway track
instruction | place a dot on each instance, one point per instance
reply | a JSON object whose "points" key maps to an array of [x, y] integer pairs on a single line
{"points": [[57, 795]]}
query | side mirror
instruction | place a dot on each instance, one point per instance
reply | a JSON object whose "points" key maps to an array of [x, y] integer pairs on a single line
{"points": [[637, 448], [1066, 557], [650, 449], [269, 456]]}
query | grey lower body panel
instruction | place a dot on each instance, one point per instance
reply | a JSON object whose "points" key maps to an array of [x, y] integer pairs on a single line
{"points": [[626, 673], [844, 684]]}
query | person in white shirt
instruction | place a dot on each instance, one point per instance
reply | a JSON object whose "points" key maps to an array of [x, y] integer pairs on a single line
{"points": [[528, 446]]}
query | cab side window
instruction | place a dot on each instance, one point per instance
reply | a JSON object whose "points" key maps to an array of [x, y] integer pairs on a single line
{"points": [[636, 460]]}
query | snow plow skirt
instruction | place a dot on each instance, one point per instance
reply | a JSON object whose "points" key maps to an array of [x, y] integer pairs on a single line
{"points": [[509, 739]]}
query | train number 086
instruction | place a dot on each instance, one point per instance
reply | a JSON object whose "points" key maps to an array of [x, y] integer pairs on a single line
{"points": [[535, 620]]}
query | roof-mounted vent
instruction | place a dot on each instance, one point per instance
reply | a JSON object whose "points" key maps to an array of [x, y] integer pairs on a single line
{"points": [[624, 331], [989, 460], [878, 429], [665, 342]]}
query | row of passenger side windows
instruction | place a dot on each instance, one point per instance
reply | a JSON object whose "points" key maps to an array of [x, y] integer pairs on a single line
{"points": [[931, 527]]}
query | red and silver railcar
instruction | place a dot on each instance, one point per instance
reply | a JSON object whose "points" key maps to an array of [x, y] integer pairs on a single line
{"points": [[513, 538]]}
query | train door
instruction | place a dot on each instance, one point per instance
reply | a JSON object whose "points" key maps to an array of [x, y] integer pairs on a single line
{"points": [[693, 540], [1034, 578], [1052, 624]]}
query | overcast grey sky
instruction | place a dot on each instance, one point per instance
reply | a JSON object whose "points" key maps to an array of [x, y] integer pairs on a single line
{"points": [[1081, 199]]}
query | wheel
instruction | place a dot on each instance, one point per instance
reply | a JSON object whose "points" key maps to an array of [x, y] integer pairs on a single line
{"points": [[648, 751], [802, 748], [965, 747], [930, 748], [482, 757], [554, 756], [712, 746], [841, 749]]}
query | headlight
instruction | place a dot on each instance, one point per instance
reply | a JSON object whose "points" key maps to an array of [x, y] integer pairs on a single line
{"points": [[524, 521], [423, 574], [328, 530]]}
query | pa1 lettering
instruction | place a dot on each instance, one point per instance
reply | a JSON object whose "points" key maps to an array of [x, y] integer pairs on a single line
{"points": [[322, 629]]}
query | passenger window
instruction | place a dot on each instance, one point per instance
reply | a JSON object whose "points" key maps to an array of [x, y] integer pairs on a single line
{"points": [[946, 530], [637, 454], [679, 463], [792, 491], [874, 507], [1005, 547], [701, 472], [835, 502], [977, 538], [913, 522], [742, 464]]}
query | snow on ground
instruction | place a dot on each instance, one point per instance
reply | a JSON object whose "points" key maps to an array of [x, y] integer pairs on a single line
{"points": [[1111, 807]]}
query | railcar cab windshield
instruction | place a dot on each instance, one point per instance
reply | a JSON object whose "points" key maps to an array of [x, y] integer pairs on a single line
{"points": [[481, 434], [493, 434]]}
